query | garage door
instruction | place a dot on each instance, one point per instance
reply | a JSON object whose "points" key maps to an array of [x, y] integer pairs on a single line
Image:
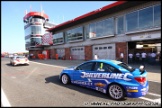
{"points": [[77, 53], [60, 52], [105, 51]]}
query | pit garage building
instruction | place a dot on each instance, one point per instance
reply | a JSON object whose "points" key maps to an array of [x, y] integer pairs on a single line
{"points": [[123, 26]]}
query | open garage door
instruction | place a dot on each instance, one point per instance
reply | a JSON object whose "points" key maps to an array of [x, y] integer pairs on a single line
{"points": [[77, 53], [60, 52], [105, 51]]}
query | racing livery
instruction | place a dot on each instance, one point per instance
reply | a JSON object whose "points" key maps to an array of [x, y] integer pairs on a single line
{"points": [[115, 78]]}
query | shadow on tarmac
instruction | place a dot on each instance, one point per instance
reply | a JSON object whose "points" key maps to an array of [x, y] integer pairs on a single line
{"points": [[88, 91]]}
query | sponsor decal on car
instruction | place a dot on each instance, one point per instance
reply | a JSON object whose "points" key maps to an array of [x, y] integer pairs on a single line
{"points": [[107, 75], [100, 84], [132, 90]]}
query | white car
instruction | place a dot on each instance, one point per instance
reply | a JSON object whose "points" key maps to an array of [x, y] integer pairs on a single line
{"points": [[17, 60]]}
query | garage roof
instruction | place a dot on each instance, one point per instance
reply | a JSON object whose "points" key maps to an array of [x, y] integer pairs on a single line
{"points": [[108, 9]]}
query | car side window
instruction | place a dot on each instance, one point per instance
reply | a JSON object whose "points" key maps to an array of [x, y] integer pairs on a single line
{"points": [[87, 66], [103, 67]]}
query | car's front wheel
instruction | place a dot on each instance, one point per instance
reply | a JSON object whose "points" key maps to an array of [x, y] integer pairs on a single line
{"points": [[116, 91], [65, 79]]}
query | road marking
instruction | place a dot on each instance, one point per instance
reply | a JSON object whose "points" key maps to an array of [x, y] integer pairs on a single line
{"points": [[30, 73], [154, 94], [155, 81], [48, 65], [152, 100], [4, 99]]}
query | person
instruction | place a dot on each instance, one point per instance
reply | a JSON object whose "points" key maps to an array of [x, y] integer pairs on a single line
{"points": [[137, 57], [56, 56], [130, 57], [121, 57], [31, 55], [143, 57], [153, 57], [95, 56]]}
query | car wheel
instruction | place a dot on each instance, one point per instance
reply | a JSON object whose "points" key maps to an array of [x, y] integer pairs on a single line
{"points": [[116, 91], [65, 79]]}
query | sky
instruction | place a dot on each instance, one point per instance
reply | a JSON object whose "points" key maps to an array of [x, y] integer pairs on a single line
{"points": [[12, 13]]}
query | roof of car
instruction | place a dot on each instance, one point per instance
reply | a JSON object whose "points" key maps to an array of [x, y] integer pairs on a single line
{"points": [[109, 61]]}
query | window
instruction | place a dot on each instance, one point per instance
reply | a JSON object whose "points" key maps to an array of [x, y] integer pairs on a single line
{"points": [[100, 48], [101, 28], [108, 27], [157, 15], [104, 47], [27, 41], [87, 66], [58, 38], [120, 25], [103, 67], [109, 47], [127, 67], [96, 48], [146, 18], [75, 34], [37, 29], [86, 32], [28, 31], [132, 21], [92, 30], [36, 41]]}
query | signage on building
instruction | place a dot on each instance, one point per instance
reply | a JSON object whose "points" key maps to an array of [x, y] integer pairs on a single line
{"points": [[92, 34], [47, 39], [146, 36]]}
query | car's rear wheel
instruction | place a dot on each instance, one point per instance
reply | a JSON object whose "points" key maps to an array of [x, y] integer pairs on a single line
{"points": [[65, 79], [116, 91]]}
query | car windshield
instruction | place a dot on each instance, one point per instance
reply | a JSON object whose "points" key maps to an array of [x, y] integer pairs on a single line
{"points": [[127, 67]]}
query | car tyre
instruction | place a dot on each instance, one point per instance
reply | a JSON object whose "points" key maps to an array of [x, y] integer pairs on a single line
{"points": [[116, 91], [65, 79]]}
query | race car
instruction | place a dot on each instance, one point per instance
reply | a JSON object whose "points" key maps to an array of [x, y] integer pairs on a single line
{"points": [[115, 78]]}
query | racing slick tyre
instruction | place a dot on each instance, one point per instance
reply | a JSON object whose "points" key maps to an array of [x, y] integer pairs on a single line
{"points": [[65, 79], [116, 92]]}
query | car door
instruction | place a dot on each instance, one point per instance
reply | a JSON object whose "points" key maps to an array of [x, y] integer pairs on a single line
{"points": [[102, 72], [82, 73]]}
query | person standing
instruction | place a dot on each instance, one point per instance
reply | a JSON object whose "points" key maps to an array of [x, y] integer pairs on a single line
{"points": [[130, 57], [95, 57], [137, 57], [121, 57], [143, 57], [153, 57]]}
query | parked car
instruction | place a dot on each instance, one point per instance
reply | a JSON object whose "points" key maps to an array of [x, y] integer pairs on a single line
{"points": [[17, 60], [115, 78]]}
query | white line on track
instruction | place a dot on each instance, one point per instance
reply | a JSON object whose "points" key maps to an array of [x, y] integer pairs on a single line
{"points": [[31, 72], [151, 100], [158, 95], [4, 100], [49, 65], [155, 81]]}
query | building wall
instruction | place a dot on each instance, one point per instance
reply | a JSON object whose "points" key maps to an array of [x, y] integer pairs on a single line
{"points": [[35, 53], [67, 53], [120, 39], [52, 53], [88, 52], [121, 47]]}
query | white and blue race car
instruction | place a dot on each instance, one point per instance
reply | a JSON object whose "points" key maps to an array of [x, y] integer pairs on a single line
{"points": [[115, 78]]}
